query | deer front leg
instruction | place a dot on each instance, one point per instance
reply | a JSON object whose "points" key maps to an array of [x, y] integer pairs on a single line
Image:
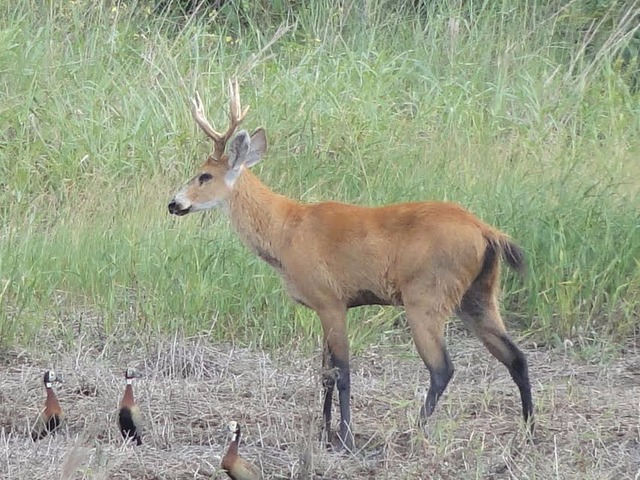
{"points": [[328, 384], [337, 373]]}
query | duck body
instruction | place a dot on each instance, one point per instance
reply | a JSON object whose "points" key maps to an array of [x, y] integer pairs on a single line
{"points": [[236, 467], [129, 421], [50, 420], [129, 415]]}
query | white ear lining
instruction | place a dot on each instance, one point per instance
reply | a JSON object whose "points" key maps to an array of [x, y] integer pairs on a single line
{"points": [[244, 152], [238, 149], [257, 148]]}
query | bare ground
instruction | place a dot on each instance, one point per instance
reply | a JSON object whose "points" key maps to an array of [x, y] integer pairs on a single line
{"points": [[588, 414]]}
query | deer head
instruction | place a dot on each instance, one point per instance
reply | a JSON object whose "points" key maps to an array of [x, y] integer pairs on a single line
{"points": [[216, 178]]}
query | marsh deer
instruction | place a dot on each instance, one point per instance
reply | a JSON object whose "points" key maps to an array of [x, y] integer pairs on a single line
{"points": [[432, 258]]}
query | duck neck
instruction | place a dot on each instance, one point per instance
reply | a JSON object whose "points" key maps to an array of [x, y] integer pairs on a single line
{"points": [[127, 398], [52, 400], [235, 441]]}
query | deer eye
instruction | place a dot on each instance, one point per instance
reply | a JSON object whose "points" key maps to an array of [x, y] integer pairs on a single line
{"points": [[205, 177]]}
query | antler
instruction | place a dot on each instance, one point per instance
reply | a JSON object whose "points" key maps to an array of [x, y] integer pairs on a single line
{"points": [[236, 115]]}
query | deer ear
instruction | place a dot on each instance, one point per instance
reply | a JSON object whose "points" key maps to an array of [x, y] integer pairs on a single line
{"points": [[257, 148], [238, 149]]}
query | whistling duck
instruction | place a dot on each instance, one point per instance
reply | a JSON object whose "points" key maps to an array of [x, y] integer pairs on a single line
{"points": [[237, 467], [130, 417], [51, 418]]}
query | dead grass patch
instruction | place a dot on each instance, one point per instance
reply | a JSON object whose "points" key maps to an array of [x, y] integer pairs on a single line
{"points": [[588, 415]]}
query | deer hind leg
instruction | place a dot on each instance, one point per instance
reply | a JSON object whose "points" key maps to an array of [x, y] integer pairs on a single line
{"points": [[427, 327], [337, 373], [479, 312]]}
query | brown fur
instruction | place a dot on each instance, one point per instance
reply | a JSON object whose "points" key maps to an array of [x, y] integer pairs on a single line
{"points": [[432, 258]]}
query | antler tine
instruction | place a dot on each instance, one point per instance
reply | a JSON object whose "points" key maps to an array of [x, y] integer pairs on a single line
{"points": [[234, 99], [235, 110], [197, 109], [236, 103]]}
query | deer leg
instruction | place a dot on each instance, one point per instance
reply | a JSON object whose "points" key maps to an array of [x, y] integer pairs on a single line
{"points": [[479, 312], [441, 371], [344, 396], [328, 384], [337, 345], [427, 328]]}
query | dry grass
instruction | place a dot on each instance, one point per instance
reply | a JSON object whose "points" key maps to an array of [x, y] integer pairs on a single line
{"points": [[588, 421]]}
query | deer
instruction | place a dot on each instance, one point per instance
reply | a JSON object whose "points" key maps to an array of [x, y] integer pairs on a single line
{"points": [[433, 258]]}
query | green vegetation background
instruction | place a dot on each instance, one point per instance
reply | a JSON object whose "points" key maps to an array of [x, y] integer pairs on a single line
{"points": [[527, 113]]}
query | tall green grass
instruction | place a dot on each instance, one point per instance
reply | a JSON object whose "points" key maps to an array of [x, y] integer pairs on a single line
{"points": [[362, 103]]}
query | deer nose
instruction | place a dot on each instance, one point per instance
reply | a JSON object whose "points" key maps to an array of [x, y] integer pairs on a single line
{"points": [[173, 207]]}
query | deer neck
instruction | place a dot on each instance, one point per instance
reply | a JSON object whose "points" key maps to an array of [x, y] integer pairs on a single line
{"points": [[260, 216]]}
